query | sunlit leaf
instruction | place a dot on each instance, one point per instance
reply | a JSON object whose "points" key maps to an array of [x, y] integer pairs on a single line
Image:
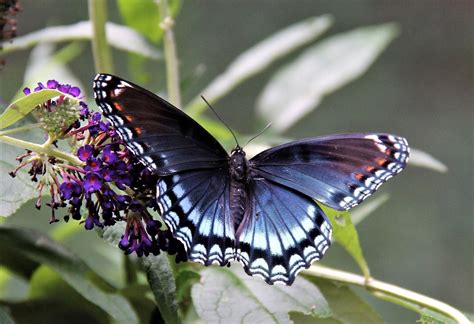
{"points": [[118, 36], [259, 57], [20, 108], [149, 13], [345, 233], [39, 248], [425, 160], [299, 87], [359, 213], [149, 22], [163, 285], [229, 295]]}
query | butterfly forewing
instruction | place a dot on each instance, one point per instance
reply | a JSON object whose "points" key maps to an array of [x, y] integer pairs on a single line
{"points": [[283, 232], [160, 135], [338, 170]]}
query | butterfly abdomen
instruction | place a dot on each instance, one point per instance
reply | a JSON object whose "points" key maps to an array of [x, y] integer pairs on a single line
{"points": [[238, 185]]}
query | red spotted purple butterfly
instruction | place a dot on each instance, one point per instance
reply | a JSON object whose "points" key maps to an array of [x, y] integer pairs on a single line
{"points": [[259, 211]]}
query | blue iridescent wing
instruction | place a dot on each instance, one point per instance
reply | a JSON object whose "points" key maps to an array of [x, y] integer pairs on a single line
{"points": [[337, 170], [195, 206], [282, 233], [160, 135]]}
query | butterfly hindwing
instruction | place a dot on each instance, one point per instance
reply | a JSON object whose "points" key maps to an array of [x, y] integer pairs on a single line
{"points": [[283, 232], [195, 206], [337, 170], [160, 135]]}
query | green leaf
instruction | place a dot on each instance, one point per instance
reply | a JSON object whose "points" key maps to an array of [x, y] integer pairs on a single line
{"points": [[46, 284], [149, 13], [14, 192], [230, 295], [50, 311], [12, 286], [37, 247], [300, 318], [144, 306], [425, 160], [431, 317], [118, 36], [299, 87], [5, 317], [347, 307], [259, 57], [163, 285], [20, 108], [345, 233], [185, 279], [359, 213], [149, 22]]}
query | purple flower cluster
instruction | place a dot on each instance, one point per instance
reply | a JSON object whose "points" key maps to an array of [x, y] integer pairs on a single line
{"points": [[59, 115], [105, 186]]}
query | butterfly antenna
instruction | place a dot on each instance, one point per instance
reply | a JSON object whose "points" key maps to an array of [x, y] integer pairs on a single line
{"points": [[259, 133], [222, 121]]}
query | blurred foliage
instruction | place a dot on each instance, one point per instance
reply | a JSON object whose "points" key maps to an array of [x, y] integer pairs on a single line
{"points": [[157, 289]]}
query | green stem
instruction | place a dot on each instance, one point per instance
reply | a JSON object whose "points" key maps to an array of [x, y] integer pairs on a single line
{"points": [[41, 149], [171, 57], [130, 271], [387, 291], [19, 129], [100, 47]]}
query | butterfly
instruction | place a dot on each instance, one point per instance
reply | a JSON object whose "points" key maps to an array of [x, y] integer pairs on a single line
{"points": [[263, 211]]}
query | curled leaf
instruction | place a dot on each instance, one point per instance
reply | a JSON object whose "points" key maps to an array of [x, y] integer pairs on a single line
{"points": [[299, 87]]}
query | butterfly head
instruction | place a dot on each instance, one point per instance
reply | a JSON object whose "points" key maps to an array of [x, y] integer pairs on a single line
{"points": [[238, 164]]}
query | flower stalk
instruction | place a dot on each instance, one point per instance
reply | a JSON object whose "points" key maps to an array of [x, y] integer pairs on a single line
{"points": [[387, 291], [100, 47], [171, 56], [43, 149]]}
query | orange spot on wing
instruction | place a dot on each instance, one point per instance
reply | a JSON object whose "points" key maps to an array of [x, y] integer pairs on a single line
{"points": [[129, 118], [369, 168], [359, 176], [381, 161], [138, 130], [118, 106]]}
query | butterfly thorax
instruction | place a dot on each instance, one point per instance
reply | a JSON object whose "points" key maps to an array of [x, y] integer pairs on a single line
{"points": [[238, 166]]}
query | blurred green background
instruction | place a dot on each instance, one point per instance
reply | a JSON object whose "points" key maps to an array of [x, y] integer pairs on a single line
{"points": [[421, 88]]}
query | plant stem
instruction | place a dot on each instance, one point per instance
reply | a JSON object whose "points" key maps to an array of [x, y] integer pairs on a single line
{"points": [[387, 291], [100, 47], [41, 149], [171, 57], [19, 129]]}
